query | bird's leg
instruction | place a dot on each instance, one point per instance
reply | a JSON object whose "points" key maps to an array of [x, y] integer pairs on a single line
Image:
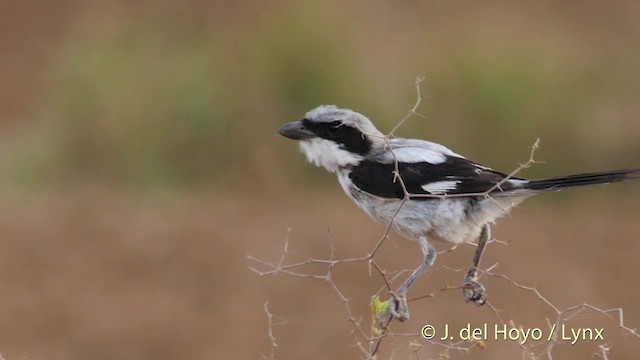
{"points": [[472, 290], [398, 307]]}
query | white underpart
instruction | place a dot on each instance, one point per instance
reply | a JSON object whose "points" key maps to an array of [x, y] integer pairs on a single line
{"points": [[440, 187], [328, 154]]}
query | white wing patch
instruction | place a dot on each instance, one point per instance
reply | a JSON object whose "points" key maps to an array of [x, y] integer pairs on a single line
{"points": [[518, 182], [416, 155], [440, 187]]}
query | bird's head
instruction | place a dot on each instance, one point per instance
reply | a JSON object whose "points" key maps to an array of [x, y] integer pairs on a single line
{"points": [[334, 138]]}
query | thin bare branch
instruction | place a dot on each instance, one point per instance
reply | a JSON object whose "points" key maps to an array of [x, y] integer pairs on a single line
{"points": [[413, 111], [270, 336]]}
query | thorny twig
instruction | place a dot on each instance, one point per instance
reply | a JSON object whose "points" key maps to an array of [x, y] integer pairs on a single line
{"points": [[270, 336], [413, 111]]}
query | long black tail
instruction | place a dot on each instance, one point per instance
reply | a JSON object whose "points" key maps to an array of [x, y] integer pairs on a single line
{"points": [[562, 182]]}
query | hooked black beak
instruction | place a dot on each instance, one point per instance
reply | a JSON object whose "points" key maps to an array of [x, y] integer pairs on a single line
{"points": [[296, 131]]}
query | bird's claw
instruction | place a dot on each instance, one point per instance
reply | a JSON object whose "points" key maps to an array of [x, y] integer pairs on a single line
{"points": [[398, 308], [473, 291]]}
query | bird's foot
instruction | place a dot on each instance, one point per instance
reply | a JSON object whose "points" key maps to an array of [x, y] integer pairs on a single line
{"points": [[473, 291], [397, 307]]}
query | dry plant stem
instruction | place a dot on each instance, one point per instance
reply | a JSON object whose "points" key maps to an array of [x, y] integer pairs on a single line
{"points": [[413, 111], [270, 336], [383, 274], [415, 347], [603, 351]]}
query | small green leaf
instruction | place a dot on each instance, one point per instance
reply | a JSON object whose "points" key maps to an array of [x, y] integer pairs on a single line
{"points": [[377, 306]]}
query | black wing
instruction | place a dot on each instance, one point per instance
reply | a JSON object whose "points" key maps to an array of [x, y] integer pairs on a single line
{"points": [[453, 176]]}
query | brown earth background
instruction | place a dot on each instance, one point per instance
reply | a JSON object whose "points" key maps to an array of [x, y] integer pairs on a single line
{"points": [[139, 166]]}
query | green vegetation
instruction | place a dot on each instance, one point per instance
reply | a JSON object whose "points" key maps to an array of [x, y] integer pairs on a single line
{"points": [[150, 103]]}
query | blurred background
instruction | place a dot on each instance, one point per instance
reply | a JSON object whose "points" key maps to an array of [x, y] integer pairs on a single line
{"points": [[140, 165]]}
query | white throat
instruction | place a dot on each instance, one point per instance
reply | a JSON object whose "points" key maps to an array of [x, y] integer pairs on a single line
{"points": [[328, 154]]}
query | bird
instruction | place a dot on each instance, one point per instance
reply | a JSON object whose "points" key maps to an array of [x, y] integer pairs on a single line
{"points": [[422, 190]]}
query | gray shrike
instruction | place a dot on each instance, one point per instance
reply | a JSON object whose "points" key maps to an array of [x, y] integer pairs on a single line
{"points": [[449, 199]]}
